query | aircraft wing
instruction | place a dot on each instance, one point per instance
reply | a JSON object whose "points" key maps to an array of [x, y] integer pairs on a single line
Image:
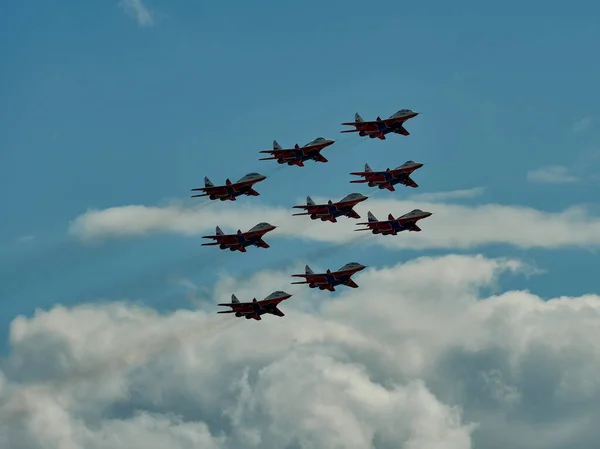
{"points": [[310, 278], [410, 183], [351, 284], [280, 153], [276, 311], [309, 206], [352, 214], [415, 228], [243, 307]]}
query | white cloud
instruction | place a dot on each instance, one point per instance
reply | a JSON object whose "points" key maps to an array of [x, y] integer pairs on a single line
{"points": [[451, 195], [451, 226], [552, 174], [583, 124], [137, 10], [414, 358]]}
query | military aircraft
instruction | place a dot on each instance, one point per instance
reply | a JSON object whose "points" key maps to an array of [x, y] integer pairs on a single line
{"points": [[379, 128], [330, 279], [406, 222], [331, 210], [297, 156], [254, 309], [231, 190], [388, 178], [239, 241]]}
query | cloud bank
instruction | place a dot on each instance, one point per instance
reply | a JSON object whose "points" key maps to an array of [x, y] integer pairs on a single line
{"points": [[451, 226], [417, 357]]}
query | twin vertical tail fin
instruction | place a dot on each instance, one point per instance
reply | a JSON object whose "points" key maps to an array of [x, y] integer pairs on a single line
{"points": [[276, 146], [307, 270], [208, 182], [367, 168], [218, 231], [371, 217], [309, 201], [358, 118], [234, 300]]}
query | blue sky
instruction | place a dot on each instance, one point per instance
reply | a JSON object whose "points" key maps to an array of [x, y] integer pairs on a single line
{"points": [[98, 111]]}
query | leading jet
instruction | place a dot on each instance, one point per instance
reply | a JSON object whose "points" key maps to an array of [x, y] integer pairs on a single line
{"points": [[298, 155], [388, 178], [331, 210], [378, 128], [254, 309], [231, 190], [392, 226], [241, 240], [330, 279]]}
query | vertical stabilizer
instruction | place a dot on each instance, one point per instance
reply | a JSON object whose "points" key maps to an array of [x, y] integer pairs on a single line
{"points": [[234, 300], [371, 217], [358, 118], [276, 146], [208, 182], [307, 270], [367, 168], [309, 201], [219, 232]]}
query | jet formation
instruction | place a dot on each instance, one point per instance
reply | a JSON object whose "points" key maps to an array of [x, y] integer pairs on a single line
{"points": [[330, 211]]}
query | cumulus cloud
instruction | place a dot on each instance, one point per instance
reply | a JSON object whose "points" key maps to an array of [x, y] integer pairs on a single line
{"points": [[137, 10], [451, 226], [551, 174], [416, 357]]}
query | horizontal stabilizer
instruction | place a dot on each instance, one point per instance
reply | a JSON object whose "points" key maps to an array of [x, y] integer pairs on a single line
{"points": [[226, 311], [209, 244]]}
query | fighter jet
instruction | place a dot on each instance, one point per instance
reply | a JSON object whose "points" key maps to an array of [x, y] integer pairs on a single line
{"points": [[297, 156], [331, 210], [254, 309], [379, 128], [407, 222], [241, 240], [230, 191], [330, 279], [388, 178]]}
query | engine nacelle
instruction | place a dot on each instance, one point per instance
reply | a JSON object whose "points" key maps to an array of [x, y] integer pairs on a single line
{"points": [[222, 246], [212, 197], [238, 314]]}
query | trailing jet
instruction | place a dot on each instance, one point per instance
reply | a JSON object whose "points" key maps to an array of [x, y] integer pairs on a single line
{"points": [[330, 279], [239, 241], [407, 222], [297, 156], [254, 309], [379, 128], [231, 190], [331, 210], [388, 178]]}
